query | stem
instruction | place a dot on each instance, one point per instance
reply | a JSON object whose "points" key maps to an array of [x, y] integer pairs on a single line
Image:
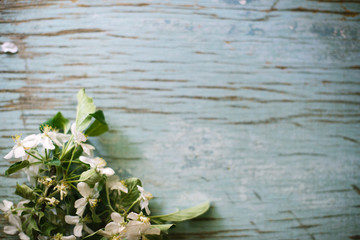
{"points": [[108, 198], [73, 177], [73, 181], [35, 163], [16, 209], [73, 186], [127, 211], [66, 146], [46, 155], [92, 234], [34, 156], [72, 156], [76, 169], [53, 194]]}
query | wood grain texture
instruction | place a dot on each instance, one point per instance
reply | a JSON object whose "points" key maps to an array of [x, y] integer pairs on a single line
{"points": [[253, 105]]}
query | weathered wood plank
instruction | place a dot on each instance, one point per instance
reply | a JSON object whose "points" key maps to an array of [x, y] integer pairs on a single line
{"points": [[253, 105]]}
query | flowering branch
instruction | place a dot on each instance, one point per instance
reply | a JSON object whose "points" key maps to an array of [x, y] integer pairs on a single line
{"points": [[64, 199]]}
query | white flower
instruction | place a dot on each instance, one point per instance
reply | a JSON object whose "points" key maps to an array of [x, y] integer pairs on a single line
{"points": [[58, 138], [52, 201], [9, 47], [138, 226], [117, 228], [32, 171], [114, 183], [18, 150], [6, 207], [79, 225], [80, 138], [47, 138], [15, 227], [98, 164], [62, 188], [21, 205], [89, 196], [145, 197], [47, 181]]}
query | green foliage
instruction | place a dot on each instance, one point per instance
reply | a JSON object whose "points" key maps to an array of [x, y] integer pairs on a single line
{"points": [[127, 199], [85, 107], [99, 126], [58, 188], [163, 227], [182, 215], [90, 177], [25, 192], [16, 167], [55, 162], [58, 122]]}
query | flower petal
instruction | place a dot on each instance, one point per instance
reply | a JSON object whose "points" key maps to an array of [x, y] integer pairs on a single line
{"points": [[87, 160], [12, 230], [80, 204], [47, 143], [112, 228], [31, 140], [15, 220], [147, 210], [78, 229], [87, 229], [23, 236], [140, 189], [73, 129], [63, 137], [133, 216], [53, 137], [72, 219], [107, 171], [6, 205], [84, 189], [10, 154], [71, 237], [19, 152], [87, 148], [116, 217]]}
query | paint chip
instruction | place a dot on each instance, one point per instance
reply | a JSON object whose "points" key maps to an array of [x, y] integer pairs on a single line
{"points": [[8, 47]]}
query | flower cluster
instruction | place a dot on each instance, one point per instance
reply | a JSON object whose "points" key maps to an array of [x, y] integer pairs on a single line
{"points": [[73, 195]]}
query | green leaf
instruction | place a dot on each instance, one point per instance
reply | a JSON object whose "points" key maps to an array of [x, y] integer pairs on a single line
{"points": [[99, 126], [46, 228], [163, 227], [58, 122], [33, 224], [95, 216], [25, 192], [55, 162], [133, 192], [183, 215], [16, 167], [90, 177], [85, 107]]}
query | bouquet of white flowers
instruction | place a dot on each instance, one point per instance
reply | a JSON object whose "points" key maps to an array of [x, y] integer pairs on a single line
{"points": [[73, 195]]}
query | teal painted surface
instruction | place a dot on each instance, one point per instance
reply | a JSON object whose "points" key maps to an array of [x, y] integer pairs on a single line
{"points": [[254, 107]]}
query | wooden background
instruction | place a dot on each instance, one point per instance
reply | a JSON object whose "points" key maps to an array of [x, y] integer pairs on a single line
{"points": [[253, 105]]}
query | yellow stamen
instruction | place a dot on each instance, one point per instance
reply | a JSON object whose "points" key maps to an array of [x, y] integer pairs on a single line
{"points": [[16, 138]]}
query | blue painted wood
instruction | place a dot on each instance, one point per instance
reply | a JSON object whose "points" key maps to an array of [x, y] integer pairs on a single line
{"points": [[253, 105]]}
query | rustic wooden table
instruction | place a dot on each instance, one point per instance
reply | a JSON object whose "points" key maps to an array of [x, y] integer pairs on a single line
{"points": [[251, 104]]}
